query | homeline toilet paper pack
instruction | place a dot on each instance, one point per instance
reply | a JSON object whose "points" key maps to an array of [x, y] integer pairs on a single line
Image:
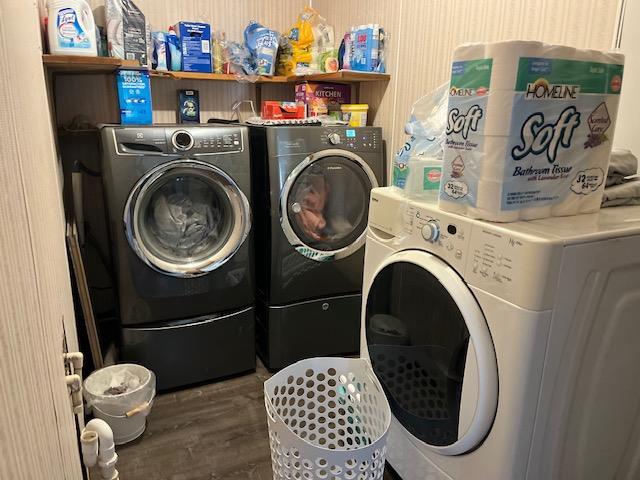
{"points": [[529, 130]]}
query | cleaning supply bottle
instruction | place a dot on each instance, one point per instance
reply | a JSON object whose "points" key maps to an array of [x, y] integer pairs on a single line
{"points": [[174, 51], [71, 28]]}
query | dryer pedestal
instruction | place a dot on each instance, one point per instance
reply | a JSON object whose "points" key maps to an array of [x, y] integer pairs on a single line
{"points": [[321, 327], [195, 350]]}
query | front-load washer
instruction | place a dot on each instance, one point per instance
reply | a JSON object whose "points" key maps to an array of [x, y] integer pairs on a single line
{"points": [[506, 351], [312, 188], [178, 205]]}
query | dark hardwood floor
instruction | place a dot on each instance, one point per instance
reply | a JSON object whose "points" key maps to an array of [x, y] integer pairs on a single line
{"points": [[215, 432]]}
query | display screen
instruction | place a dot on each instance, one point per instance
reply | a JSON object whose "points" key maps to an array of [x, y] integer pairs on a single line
{"points": [[351, 133]]}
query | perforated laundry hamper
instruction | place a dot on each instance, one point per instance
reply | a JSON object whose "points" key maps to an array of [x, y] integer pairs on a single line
{"points": [[328, 419]]}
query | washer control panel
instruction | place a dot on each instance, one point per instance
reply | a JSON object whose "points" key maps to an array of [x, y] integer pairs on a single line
{"points": [[191, 140], [203, 141], [435, 232]]}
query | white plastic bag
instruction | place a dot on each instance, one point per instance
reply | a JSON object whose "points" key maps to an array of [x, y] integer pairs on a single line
{"points": [[426, 128]]}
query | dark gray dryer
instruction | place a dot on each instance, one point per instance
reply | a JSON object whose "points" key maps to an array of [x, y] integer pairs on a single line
{"points": [[311, 190], [178, 203]]}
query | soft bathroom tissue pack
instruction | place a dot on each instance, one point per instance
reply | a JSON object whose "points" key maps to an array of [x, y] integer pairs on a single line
{"points": [[529, 130]]}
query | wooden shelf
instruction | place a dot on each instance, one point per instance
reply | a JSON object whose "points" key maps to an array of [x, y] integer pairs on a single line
{"points": [[87, 65], [77, 64], [224, 77], [345, 76]]}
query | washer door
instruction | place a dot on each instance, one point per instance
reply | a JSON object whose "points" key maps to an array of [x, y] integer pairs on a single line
{"points": [[186, 218], [325, 204], [430, 346]]}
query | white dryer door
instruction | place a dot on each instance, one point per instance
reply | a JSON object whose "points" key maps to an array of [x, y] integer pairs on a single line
{"points": [[430, 346], [186, 218]]}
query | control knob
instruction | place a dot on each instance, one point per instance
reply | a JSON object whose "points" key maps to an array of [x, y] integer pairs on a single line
{"points": [[182, 140], [334, 138], [431, 231]]}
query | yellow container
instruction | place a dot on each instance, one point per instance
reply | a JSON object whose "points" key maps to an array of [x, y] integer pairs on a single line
{"points": [[355, 114]]}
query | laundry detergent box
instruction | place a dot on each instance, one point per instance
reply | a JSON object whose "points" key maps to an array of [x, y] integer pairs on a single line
{"points": [[195, 43], [134, 96], [529, 130], [323, 98]]}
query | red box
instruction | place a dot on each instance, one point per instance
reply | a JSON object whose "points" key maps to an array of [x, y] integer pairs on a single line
{"points": [[274, 110]]}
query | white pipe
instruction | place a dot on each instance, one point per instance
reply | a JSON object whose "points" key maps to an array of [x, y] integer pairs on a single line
{"points": [[98, 447]]}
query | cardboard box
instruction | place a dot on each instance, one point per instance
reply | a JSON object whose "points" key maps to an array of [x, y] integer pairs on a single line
{"points": [[134, 96], [195, 43], [274, 110], [322, 98]]}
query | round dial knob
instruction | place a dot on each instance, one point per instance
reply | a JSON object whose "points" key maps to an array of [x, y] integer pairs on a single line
{"points": [[431, 231], [334, 138], [182, 140]]}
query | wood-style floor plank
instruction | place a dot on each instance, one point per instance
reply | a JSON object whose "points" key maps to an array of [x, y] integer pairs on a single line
{"points": [[214, 432]]}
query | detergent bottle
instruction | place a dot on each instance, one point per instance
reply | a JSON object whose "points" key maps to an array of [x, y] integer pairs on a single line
{"points": [[71, 28]]}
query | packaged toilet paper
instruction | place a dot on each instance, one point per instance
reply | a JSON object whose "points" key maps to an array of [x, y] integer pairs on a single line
{"points": [[529, 130]]}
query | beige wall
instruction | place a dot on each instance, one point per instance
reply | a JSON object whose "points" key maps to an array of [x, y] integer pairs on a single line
{"points": [[423, 34], [38, 438]]}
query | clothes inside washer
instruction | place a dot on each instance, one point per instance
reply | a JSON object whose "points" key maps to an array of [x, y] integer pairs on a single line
{"points": [[186, 219]]}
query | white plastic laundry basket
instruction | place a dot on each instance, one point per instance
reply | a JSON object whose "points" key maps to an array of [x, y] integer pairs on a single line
{"points": [[328, 419], [126, 412]]}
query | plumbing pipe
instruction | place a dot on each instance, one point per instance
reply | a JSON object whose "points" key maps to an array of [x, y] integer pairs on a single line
{"points": [[74, 382], [76, 359], [98, 447]]}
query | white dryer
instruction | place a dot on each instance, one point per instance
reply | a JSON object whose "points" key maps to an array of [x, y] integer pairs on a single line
{"points": [[507, 351]]}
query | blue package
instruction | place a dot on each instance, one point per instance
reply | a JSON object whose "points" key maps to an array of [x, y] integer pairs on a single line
{"points": [[262, 43], [134, 95], [366, 48], [195, 42]]}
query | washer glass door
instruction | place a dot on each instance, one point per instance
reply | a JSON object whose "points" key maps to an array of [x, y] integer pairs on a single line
{"points": [[185, 218], [430, 346], [325, 204]]}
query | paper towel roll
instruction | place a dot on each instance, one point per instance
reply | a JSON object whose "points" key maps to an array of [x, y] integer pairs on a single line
{"points": [[505, 56], [469, 51], [497, 114], [534, 213], [488, 203], [569, 206], [592, 202], [495, 157], [453, 207]]}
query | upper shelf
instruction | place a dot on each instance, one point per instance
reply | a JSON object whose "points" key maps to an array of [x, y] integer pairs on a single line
{"points": [[76, 64]]}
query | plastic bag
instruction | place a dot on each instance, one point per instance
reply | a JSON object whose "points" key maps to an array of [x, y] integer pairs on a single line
{"points": [[310, 38], [285, 65], [241, 62], [426, 128], [262, 43]]}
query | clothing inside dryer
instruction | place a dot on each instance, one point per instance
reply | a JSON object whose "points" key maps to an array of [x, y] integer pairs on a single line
{"points": [[328, 203], [418, 342], [187, 218]]}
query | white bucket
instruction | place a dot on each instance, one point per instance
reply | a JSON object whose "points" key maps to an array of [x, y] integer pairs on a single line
{"points": [[122, 396]]}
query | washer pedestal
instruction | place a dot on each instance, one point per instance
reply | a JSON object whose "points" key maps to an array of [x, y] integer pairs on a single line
{"points": [[326, 326], [192, 351]]}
